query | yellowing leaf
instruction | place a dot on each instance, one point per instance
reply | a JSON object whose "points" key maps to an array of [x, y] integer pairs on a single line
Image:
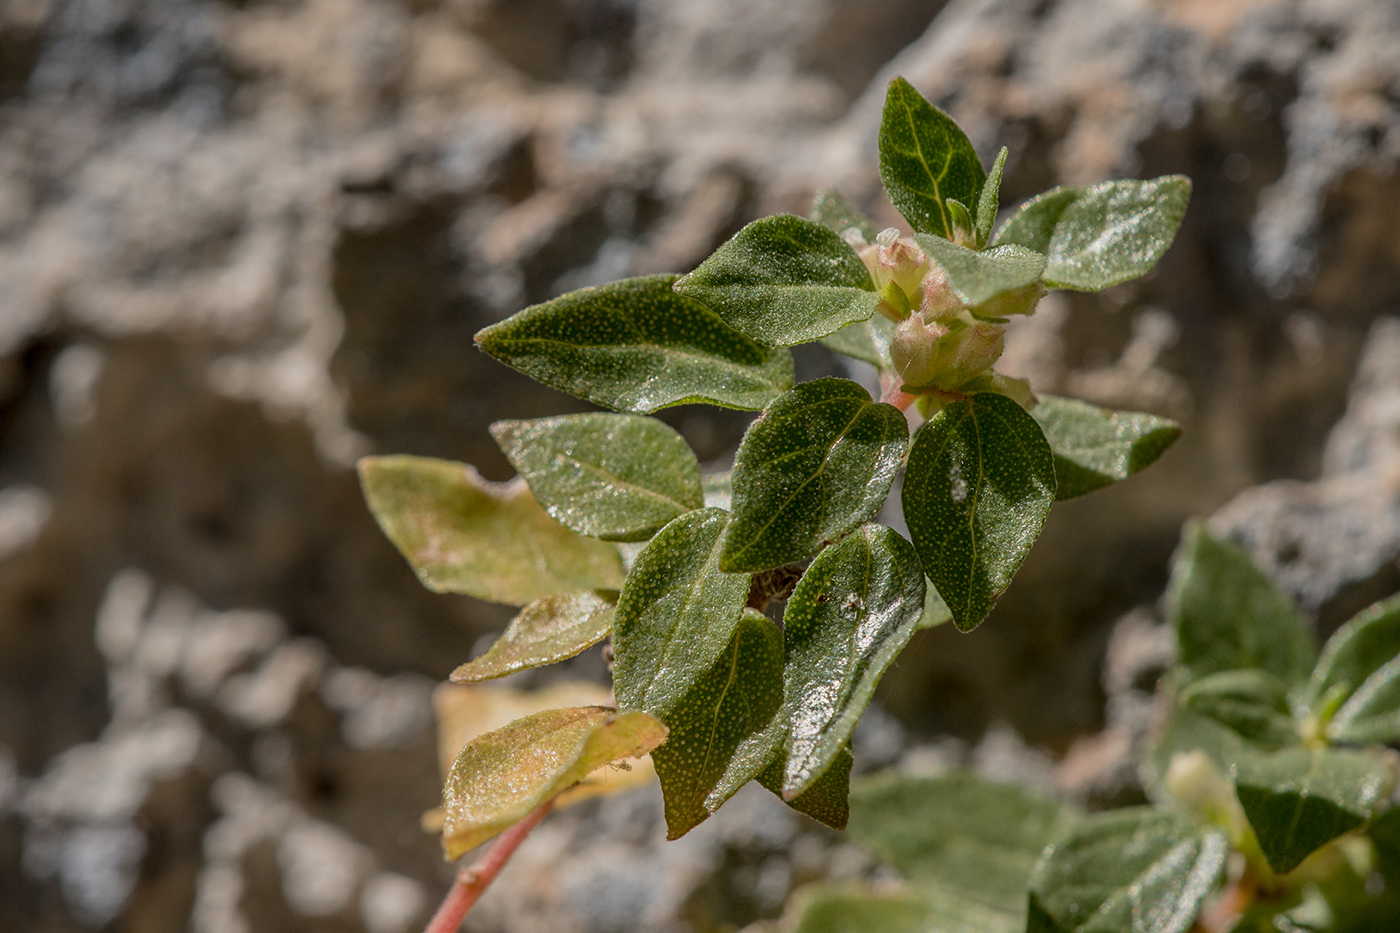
{"points": [[463, 534], [546, 631], [503, 775]]}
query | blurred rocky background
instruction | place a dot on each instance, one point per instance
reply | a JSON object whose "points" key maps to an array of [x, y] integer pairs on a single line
{"points": [[243, 242]]}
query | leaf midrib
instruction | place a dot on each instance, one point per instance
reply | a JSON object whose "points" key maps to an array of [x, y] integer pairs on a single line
{"points": [[614, 479], [928, 169]]}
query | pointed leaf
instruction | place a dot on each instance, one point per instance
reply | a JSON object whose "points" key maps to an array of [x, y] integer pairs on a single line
{"points": [[1136, 870], [1357, 651], [816, 464], [1299, 799], [1101, 235], [1229, 616], [615, 477], [835, 213], [1095, 447], [547, 631], [636, 345], [1372, 713], [979, 276], [979, 483], [958, 832], [925, 158], [718, 738], [827, 799], [963, 224], [988, 200], [503, 775], [677, 613], [1253, 703], [783, 281], [868, 341], [852, 612], [462, 534]]}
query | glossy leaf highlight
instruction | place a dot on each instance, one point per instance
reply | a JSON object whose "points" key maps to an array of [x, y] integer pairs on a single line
{"points": [[547, 631]]}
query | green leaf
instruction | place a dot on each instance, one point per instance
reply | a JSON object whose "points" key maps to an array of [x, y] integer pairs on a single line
{"points": [[835, 213], [979, 276], [1100, 235], [462, 534], [936, 611], [827, 799], [859, 909], [925, 158], [548, 630], [959, 833], [864, 340], [636, 345], [1253, 703], [677, 613], [815, 465], [1229, 616], [1299, 799], [615, 477], [503, 775], [1136, 870], [1359, 659], [1187, 731], [851, 613], [783, 281], [988, 200], [961, 217], [979, 483], [719, 729], [1096, 447]]}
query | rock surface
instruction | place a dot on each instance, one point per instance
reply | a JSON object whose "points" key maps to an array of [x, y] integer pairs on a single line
{"points": [[243, 243]]}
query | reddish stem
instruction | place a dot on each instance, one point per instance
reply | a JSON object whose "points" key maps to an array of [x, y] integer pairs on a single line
{"points": [[472, 880]]}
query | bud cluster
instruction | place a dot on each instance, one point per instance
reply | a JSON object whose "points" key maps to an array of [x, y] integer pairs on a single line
{"points": [[941, 344]]}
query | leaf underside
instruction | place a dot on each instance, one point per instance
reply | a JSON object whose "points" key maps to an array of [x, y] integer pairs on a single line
{"points": [[1095, 447], [547, 631]]}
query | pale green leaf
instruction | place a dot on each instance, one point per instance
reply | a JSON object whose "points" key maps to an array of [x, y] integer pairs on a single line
{"points": [[980, 275], [1100, 235], [868, 341], [615, 477], [1253, 703], [979, 484], [958, 832], [1136, 870], [463, 534], [1372, 713], [676, 614], [988, 200], [1299, 799], [936, 611], [858, 909], [963, 224], [547, 631], [1096, 447], [636, 345], [1229, 616], [783, 280], [817, 463], [835, 213], [1360, 658], [503, 775], [852, 612], [720, 735], [925, 159]]}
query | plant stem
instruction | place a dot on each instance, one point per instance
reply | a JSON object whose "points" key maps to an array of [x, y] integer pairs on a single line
{"points": [[473, 879]]}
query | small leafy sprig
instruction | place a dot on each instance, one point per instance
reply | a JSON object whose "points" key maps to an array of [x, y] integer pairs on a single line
{"points": [[1272, 795], [708, 677]]}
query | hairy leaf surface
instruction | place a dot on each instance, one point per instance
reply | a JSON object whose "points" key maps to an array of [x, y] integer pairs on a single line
{"points": [[979, 484], [547, 631], [1359, 663], [615, 477], [831, 209], [1229, 616], [815, 465], [1253, 703], [868, 341], [988, 200], [463, 534], [1299, 799], [636, 345], [852, 612], [676, 614], [1136, 870], [981, 275], [1095, 447], [720, 729], [925, 159], [503, 775], [783, 280]]}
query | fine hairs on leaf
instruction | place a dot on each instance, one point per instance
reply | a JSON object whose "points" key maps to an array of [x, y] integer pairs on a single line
{"points": [[752, 613]]}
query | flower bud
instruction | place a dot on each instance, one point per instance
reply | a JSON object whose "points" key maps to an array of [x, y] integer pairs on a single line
{"points": [[972, 350], [917, 349], [1207, 794], [940, 303]]}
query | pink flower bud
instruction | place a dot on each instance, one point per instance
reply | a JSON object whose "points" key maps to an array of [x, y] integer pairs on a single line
{"points": [[916, 349]]}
